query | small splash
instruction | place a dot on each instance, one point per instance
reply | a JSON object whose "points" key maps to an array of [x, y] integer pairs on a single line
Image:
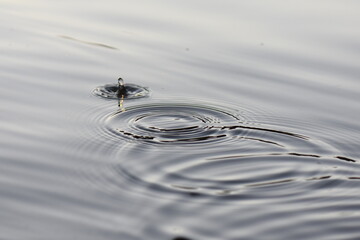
{"points": [[121, 91]]}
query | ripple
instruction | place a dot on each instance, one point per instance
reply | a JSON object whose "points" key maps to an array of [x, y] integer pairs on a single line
{"points": [[208, 150], [201, 174], [172, 124], [133, 91]]}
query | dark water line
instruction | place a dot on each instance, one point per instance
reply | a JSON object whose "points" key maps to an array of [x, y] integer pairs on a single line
{"points": [[89, 43], [266, 130]]}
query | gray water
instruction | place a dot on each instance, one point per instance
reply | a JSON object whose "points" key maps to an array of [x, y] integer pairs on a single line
{"points": [[251, 129]]}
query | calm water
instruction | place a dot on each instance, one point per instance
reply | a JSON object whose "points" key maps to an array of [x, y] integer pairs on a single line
{"points": [[251, 129]]}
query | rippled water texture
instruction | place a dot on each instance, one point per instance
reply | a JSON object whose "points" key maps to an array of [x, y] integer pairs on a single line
{"points": [[200, 149], [251, 129]]}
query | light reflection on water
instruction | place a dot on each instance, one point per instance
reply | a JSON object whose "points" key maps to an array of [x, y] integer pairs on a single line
{"points": [[251, 131]]}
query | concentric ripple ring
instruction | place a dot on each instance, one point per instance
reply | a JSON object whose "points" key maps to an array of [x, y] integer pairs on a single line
{"points": [[202, 149], [171, 123]]}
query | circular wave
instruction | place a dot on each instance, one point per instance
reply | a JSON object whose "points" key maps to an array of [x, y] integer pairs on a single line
{"points": [[133, 91], [174, 124], [258, 168], [205, 150]]}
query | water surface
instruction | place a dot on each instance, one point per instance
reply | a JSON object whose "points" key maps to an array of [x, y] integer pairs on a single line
{"points": [[251, 129]]}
